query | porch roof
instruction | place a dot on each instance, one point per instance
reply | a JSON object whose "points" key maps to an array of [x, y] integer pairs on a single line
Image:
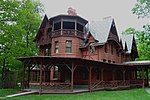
{"points": [[138, 63], [61, 60], [80, 61]]}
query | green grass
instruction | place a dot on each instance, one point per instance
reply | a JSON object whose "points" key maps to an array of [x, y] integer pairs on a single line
{"points": [[133, 94], [4, 92]]}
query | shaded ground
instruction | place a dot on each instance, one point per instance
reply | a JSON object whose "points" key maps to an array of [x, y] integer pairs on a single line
{"points": [[133, 94]]}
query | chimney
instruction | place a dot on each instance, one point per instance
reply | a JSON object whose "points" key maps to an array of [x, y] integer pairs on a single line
{"points": [[71, 11]]}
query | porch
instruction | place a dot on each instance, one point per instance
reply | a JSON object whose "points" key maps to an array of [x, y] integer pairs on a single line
{"points": [[69, 75]]}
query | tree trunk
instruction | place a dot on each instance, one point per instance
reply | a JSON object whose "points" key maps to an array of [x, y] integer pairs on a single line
{"points": [[3, 72]]}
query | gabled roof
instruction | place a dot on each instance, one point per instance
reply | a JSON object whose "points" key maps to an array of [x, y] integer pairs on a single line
{"points": [[127, 40], [100, 29], [43, 25]]}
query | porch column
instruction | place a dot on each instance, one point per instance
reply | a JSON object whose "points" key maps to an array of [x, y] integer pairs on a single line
{"points": [[124, 77], [90, 78], [28, 76], [147, 77], [23, 85], [41, 77], [102, 70], [143, 77], [72, 72], [61, 26], [113, 76]]}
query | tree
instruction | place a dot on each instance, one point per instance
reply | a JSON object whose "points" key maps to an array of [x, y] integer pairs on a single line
{"points": [[130, 31], [19, 21], [144, 43], [142, 8]]}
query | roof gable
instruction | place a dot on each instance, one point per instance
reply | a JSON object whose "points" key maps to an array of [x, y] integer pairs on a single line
{"points": [[100, 30], [42, 26], [127, 40]]}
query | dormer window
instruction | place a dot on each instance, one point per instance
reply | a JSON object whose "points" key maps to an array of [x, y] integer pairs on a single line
{"points": [[91, 48], [68, 25]]}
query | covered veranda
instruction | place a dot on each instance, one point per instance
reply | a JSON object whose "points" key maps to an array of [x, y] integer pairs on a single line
{"points": [[78, 75]]}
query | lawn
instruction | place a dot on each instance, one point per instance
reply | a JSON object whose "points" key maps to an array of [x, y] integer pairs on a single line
{"points": [[134, 94], [4, 92]]}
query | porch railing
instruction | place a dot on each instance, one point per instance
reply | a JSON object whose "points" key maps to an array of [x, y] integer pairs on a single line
{"points": [[52, 85], [115, 84]]}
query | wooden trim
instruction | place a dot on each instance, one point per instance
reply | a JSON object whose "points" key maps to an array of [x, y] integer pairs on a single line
{"points": [[102, 70], [41, 77], [90, 69], [147, 77], [124, 76], [72, 72], [142, 77]]}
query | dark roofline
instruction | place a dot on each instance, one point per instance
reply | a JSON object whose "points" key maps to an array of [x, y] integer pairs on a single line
{"points": [[63, 15], [43, 22]]}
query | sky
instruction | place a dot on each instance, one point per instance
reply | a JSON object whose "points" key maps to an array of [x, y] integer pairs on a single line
{"points": [[95, 10]]}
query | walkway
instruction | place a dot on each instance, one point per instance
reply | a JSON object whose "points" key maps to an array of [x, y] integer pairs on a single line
{"points": [[147, 90], [23, 93]]}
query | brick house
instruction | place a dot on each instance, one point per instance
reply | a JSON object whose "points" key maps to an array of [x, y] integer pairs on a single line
{"points": [[76, 53]]}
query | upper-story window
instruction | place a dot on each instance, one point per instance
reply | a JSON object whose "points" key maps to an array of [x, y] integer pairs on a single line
{"points": [[112, 49], [106, 49], [57, 26], [80, 27], [47, 52], [68, 46], [68, 25], [56, 47]]}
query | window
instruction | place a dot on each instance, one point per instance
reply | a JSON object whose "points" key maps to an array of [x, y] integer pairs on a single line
{"points": [[56, 47], [109, 61], [106, 50], [112, 49], [79, 27], [104, 60], [57, 26], [47, 51], [56, 73], [113, 61], [91, 48], [68, 46], [68, 25]]}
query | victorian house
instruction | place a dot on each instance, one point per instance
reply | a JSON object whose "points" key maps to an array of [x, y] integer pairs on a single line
{"points": [[75, 54]]}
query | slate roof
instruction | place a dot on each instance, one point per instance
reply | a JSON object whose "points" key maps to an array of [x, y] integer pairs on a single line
{"points": [[128, 40], [100, 29], [146, 62]]}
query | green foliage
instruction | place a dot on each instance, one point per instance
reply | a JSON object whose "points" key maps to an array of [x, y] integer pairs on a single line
{"points": [[142, 40], [19, 21], [135, 94], [130, 31], [142, 8], [5, 92], [144, 43]]}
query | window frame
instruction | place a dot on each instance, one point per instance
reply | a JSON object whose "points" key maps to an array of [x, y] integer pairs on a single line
{"points": [[68, 47], [56, 48]]}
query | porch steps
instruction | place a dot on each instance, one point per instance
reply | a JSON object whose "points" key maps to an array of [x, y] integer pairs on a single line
{"points": [[23, 93]]}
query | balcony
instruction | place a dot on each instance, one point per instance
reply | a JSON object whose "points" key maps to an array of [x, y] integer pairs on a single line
{"points": [[67, 32]]}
